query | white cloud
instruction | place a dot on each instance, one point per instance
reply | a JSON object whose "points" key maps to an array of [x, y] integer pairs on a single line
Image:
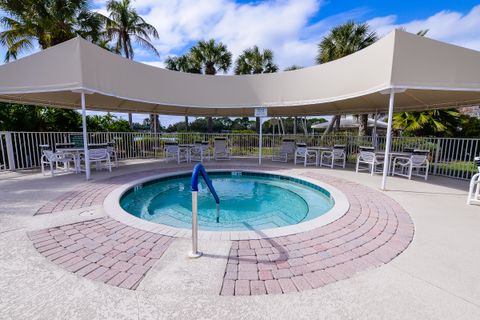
{"points": [[283, 26], [448, 26], [275, 24]]}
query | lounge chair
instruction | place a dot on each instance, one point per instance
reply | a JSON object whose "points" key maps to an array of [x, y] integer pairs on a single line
{"points": [[335, 157], [221, 151], [308, 157], [200, 151], [415, 165], [287, 151]]}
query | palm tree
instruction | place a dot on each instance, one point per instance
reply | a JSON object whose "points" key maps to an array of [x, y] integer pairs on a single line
{"points": [[211, 57], [340, 42], [47, 23], [425, 123], [125, 26], [252, 61], [183, 63], [293, 67]]}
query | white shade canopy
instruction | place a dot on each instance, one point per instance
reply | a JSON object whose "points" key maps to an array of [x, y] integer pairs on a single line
{"points": [[426, 73]]}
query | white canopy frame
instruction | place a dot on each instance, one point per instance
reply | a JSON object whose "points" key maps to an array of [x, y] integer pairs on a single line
{"points": [[401, 70]]}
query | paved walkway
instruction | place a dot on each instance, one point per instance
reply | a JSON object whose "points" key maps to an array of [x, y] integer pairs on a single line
{"points": [[103, 250], [436, 277], [373, 231]]}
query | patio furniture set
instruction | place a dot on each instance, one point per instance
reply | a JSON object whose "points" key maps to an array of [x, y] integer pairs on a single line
{"points": [[408, 163], [67, 157], [198, 151]]}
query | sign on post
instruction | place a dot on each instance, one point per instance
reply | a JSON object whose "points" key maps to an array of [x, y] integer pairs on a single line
{"points": [[261, 112], [77, 139]]}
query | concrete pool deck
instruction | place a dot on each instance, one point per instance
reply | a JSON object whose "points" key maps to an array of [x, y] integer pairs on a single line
{"points": [[436, 277]]}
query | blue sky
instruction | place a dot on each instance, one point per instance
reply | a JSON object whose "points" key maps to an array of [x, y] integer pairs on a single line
{"points": [[293, 28]]}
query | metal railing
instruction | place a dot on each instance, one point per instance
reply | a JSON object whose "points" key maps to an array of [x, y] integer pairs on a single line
{"points": [[450, 157], [197, 171]]}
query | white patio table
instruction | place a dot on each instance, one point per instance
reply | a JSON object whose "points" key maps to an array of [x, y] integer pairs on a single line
{"points": [[76, 152]]}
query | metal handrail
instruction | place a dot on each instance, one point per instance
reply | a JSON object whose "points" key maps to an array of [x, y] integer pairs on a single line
{"points": [[197, 171]]}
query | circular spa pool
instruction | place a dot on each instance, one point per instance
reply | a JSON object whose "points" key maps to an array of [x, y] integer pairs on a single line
{"points": [[248, 201]]}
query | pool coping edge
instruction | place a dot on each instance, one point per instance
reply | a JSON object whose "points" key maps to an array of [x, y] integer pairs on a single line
{"points": [[112, 207]]}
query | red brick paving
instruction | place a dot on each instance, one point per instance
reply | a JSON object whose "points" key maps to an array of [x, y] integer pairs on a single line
{"points": [[94, 249], [374, 231]]}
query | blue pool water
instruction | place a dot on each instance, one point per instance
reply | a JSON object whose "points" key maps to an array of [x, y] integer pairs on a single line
{"points": [[248, 201]]}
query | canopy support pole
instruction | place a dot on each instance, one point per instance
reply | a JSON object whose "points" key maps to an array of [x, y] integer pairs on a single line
{"points": [[374, 135], [260, 143], [85, 137], [388, 143], [155, 124], [155, 134]]}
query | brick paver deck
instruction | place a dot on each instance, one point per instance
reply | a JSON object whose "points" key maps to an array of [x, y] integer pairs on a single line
{"points": [[374, 231], [103, 249]]}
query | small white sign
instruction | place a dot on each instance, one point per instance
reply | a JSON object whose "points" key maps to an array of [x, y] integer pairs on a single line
{"points": [[261, 112]]}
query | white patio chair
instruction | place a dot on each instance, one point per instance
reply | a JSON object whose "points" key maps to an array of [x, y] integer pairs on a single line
{"points": [[308, 157], [415, 165], [335, 157], [474, 190], [173, 151], [112, 151], [221, 150], [286, 152], [54, 159], [367, 156], [200, 151], [99, 156]]}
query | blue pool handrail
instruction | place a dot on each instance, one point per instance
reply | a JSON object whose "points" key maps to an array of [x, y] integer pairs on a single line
{"points": [[197, 170], [200, 170]]}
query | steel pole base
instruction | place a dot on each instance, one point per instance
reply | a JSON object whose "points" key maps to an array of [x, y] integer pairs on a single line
{"points": [[195, 255]]}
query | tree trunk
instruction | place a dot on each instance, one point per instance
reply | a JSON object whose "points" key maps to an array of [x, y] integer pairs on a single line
{"points": [[305, 126], [209, 125], [333, 125], [257, 124], [337, 123], [154, 121], [363, 125]]}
